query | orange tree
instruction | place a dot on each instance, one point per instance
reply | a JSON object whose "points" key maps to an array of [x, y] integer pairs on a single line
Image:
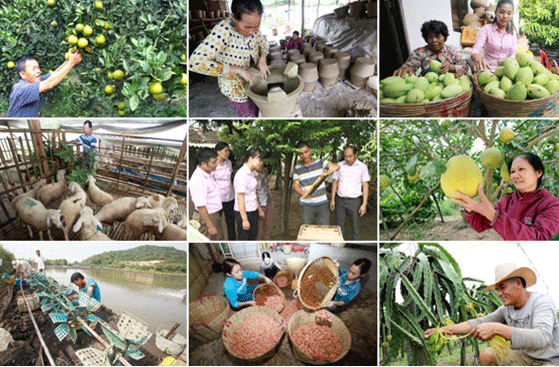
{"points": [[136, 47]]}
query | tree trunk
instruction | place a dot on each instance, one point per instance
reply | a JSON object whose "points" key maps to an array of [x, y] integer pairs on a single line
{"points": [[286, 199]]}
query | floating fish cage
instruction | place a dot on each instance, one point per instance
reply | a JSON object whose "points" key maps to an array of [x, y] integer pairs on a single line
{"points": [[132, 161]]}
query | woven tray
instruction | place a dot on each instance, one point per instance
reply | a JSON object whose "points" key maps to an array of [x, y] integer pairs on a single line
{"points": [[205, 315], [228, 328], [541, 107], [283, 274], [303, 317], [266, 290], [457, 106], [318, 283], [311, 232]]}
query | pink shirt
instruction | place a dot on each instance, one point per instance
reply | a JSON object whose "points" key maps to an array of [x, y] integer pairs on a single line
{"points": [[496, 46], [522, 217], [222, 177], [204, 191], [351, 178], [245, 182]]}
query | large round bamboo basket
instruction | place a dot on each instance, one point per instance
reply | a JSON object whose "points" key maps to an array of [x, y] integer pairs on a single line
{"points": [[205, 315], [456, 106], [229, 326], [541, 107], [266, 290], [303, 317], [318, 282], [283, 274]]}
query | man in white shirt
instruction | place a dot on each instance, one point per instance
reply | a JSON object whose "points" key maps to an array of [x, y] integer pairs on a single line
{"points": [[350, 191], [40, 263]]}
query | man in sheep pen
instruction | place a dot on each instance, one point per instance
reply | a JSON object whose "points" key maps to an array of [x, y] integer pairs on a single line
{"points": [[22, 267], [88, 142], [527, 320]]}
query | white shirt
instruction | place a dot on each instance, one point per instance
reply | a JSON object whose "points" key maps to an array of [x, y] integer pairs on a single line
{"points": [[40, 261], [351, 178]]}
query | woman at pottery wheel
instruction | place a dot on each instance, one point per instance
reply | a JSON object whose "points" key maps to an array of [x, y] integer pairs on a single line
{"points": [[528, 214], [497, 40], [435, 33], [233, 46]]}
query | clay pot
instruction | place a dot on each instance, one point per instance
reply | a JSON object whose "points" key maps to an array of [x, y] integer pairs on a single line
{"points": [[328, 68], [330, 51], [307, 51], [341, 12], [293, 51], [308, 72], [361, 71], [276, 56], [316, 57], [277, 62], [320, 46], [344, 60], [372, 9], [276, 101], [282, 43], [298, 59], [355, 9], [307, 39], [309, 87], [274, 49]]}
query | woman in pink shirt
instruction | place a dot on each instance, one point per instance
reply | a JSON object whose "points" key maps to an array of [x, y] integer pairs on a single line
{"points": [[222, 177], [247, 209], [497, 40], [528, 214]]}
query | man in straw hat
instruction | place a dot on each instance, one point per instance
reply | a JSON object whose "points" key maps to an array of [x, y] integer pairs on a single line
{"points": [[528, 320]]}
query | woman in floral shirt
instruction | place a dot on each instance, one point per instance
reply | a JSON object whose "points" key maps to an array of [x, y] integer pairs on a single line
{"points": [[435, 34], [233, 46]]}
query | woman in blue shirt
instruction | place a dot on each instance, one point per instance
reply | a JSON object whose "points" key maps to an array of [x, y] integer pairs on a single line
{"points": [[235, 286], [349, 283]]}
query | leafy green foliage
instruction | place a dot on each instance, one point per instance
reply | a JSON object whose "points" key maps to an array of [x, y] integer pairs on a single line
{"points": [[56, 262], [422, 291], [144, 38], [539, 21], [7, 258], [66, 154], [170, 259], [394, 210]]}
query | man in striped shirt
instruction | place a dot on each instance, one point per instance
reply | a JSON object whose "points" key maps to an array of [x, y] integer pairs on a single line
{"points": [[304, 175]]}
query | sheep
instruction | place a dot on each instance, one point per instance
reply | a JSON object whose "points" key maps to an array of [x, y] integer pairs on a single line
{"points": [[169, 204], [89, 227], [71, 207], [53, 191], [120, 209], [34, 214], [145, 220], [171, 232], [97, 196], [29, 194], [155, 200], [179, 219]]}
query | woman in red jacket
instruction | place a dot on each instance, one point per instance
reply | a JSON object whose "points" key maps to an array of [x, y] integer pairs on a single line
{"points": [[528, 214]]}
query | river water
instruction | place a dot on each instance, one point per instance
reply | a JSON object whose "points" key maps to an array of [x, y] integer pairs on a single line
{"points": [[153, 298]]}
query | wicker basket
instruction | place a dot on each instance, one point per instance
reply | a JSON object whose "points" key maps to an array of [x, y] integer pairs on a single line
{"points": [[318, 283], [205, 315], [266, 290], [283, 274], [228, 328], [457, 106], [541, 107], [303, 317]]}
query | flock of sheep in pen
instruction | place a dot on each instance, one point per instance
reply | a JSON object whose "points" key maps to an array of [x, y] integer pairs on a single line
{"points": [[153, 214]]}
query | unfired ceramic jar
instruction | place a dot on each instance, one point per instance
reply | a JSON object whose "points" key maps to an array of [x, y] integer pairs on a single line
{"points": [[361, 71], [275, 56], [308, 72], [274, 49], [344, 60], [372, 9], [320, 46], [307, 51], [330, 51], [298, 59], [315, 57], [355, 9], [328, 72], [293, 51], [341, 12]]}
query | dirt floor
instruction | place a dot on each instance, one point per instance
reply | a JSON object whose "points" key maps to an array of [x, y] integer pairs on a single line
{"points": [[360, 318], [205, 100], [24, 351], [453, 229], [368, 221]]}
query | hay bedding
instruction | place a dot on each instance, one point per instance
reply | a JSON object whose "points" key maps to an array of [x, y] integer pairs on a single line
{"points": [[359, 317]]}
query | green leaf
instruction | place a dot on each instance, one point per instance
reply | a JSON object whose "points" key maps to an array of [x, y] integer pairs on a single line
{"points": [[412, 166], [405, 332], [433, 168], [412, 292], [134, 102]]}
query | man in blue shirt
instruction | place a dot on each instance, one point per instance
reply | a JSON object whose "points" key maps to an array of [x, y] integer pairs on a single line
{"points": [[25, 98], [88, 142], [88, 285]]}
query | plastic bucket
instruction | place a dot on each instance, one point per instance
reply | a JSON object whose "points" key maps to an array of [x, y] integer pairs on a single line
{"points": [[174, 345]]}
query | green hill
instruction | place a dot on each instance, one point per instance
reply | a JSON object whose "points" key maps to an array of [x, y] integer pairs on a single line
{"points": [[147, 257]]}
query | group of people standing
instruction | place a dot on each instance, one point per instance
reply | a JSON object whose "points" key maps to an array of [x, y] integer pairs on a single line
{"points": [[243, 207]]}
